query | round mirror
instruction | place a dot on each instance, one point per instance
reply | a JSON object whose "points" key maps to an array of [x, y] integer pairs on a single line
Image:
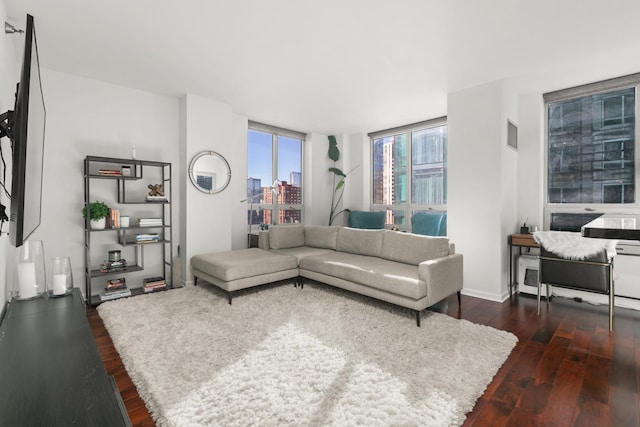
{"points": [[209, 172]]}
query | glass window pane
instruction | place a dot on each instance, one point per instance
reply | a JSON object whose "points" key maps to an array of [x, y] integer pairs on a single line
{"points": [[289, 216], [428, 166], [259, 164], [390, 170], [591, 152], [289, 170]]}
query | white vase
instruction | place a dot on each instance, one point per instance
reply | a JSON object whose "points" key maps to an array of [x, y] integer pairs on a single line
{"points": [[98, 224]]}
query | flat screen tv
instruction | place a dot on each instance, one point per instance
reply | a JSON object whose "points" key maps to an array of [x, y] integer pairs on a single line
{"points": [[27, 134]]}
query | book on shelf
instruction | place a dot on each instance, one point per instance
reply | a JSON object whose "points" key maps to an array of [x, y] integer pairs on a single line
{"points": [[151, 284], [156, 198], [113, 266], [148, 222], [106, 296], [116, 285], [109, 172], [146, 237]]}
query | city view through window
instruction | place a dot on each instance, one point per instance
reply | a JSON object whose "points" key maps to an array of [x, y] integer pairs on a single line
{"points": [[424, 161], [274, 181]]}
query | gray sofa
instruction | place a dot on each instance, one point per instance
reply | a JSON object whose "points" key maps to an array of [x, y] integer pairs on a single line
{"points": [[405, 269]]}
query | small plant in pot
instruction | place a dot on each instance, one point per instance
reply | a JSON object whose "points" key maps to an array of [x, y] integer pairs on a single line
{"points": [[97, 212]]}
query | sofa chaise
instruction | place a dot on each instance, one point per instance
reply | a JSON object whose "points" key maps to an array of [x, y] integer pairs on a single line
{"points": [[405, 269]]}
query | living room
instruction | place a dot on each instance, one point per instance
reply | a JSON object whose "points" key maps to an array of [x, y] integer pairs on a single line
{"points": [[492, 188]]}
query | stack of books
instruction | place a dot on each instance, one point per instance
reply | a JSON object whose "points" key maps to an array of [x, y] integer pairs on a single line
{"points": [[109, 172], [111, 266], [113, 220], [151, 284], [147, 237], [150, 222], [116, 288]]}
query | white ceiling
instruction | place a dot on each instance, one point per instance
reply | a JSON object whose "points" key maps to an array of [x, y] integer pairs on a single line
{"points": [[328, 66]]}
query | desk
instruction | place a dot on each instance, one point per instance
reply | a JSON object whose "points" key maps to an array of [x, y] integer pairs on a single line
{"points": [[50, 369], [613, 226], [519, 241]]}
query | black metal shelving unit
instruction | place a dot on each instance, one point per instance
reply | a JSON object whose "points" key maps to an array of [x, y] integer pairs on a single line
{"points": [[125, 236]]}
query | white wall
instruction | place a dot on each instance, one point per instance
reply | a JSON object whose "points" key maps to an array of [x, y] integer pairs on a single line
{"points": [[212, 222], [87, 117], [481, 170], [9, 46], [317, 180]]}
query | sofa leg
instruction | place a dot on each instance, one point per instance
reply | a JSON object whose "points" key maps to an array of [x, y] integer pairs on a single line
{"points": [[417, 318], [195, 280], [229, 297], [459, 302]]}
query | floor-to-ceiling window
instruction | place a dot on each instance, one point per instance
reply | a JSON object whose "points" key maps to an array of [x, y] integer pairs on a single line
{"points": [[274, 181], [409, 166]]}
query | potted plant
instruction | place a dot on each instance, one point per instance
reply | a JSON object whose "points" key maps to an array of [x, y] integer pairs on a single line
{"points": [[338, 188], [97, 212]]}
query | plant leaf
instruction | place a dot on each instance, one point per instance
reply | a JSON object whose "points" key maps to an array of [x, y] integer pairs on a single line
{"points": [[337, 171], [334, 152], [340, 184]]}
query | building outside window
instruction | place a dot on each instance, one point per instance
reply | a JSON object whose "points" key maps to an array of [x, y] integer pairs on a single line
{"points": [[409, 170], [274, 182], [591, 156]]}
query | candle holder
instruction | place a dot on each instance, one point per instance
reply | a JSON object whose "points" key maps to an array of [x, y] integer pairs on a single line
{"points": [[60, 280], [29, 279]]}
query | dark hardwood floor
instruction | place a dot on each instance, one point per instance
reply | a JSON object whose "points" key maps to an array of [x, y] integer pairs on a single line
{"points": [[567, 369]]}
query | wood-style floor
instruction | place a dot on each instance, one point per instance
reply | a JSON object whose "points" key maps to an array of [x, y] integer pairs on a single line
{"points": [[567, 369]]}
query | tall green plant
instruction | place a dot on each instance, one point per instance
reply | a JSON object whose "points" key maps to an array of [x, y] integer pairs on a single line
{"points": [[338, 188]]}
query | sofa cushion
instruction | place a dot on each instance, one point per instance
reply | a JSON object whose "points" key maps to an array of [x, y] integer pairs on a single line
{"points": [[413, 248], [241, 263], [389, 276], [286, 236], [360, 242], [319, 236]]}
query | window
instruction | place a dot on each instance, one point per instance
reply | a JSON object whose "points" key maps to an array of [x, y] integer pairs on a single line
{"points": [[591, 149], [274, 182], [410, 170], [591, 155]]}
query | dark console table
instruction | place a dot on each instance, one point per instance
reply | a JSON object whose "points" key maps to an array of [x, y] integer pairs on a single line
{"points": [[51, 373]]}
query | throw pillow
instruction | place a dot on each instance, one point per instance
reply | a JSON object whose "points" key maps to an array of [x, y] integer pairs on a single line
{"points": [[286, 236], [319, 236]]}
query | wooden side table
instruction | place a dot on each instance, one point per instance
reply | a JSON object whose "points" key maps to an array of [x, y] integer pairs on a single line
{"points": [[519, 241]]}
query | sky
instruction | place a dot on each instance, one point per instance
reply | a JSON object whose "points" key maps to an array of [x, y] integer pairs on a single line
{"points": [[259, 152]]}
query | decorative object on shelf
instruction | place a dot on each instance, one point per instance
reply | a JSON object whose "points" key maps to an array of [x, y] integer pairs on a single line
{"points": [[30, 281], [338, 188], [126, 170], [209, 172], [60, 280], [114, 256], [155, 190], [156, 193], [124, 221], [98, 213]]}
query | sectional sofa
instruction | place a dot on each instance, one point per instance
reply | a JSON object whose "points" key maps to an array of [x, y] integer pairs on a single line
{"points": [[405, 269]]}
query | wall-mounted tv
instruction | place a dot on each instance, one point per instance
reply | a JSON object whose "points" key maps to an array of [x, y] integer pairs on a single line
{"points": [[26, 125]]}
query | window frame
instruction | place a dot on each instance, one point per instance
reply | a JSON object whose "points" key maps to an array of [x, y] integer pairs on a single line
{"points": [[276, 207], [596, 88], [408, 208]]}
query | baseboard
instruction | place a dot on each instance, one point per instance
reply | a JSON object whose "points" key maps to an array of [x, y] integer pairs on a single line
{"points": [[485, 295]]}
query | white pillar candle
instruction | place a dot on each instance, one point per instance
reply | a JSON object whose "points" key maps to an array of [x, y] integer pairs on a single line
{"points": [[27, 280], [59, 284]]}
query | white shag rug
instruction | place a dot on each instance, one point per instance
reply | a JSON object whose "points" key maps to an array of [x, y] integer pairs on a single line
{"points": [[287, 356]]}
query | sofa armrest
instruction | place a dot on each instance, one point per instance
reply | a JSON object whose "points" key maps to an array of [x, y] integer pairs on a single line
{"points": [[443, 276], [263, 240]]}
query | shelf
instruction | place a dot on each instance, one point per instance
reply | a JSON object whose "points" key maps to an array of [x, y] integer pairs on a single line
{"points": [[130, 185], [95, 299], [130, 269]]}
